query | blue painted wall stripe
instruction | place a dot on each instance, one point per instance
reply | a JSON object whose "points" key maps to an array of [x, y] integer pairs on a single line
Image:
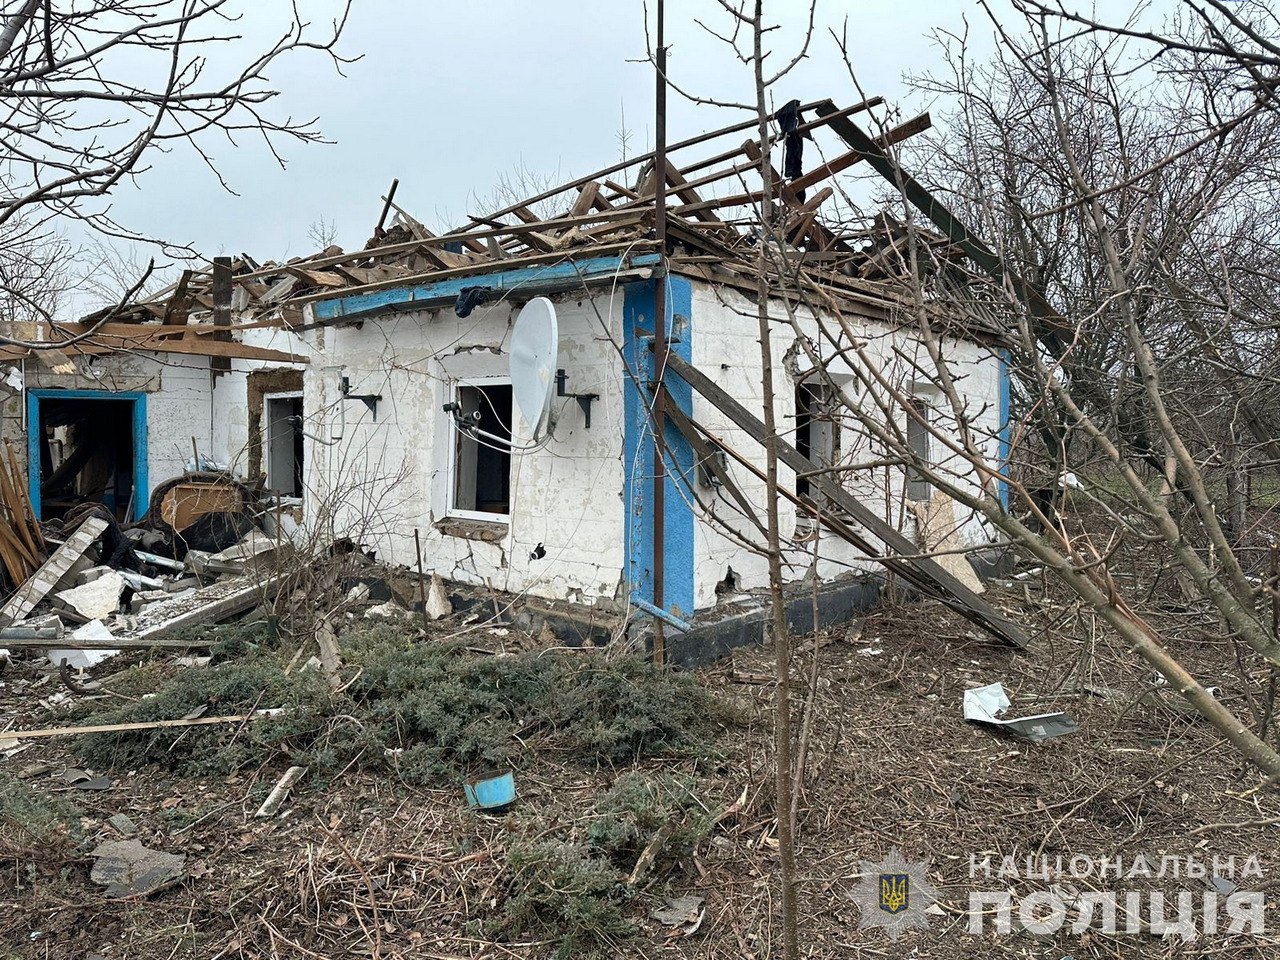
{"points": [[678, 555], [138, 426], [442, 291]]}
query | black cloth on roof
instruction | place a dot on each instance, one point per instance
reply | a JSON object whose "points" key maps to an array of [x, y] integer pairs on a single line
{"points": [[789, 120], [469, 298]]}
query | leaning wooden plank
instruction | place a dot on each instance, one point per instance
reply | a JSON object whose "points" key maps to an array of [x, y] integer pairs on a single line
{"points": [[51, 571], [126, 727], [28, 509], [900, 553]]}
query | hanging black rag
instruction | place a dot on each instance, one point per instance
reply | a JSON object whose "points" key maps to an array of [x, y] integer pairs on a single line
{"points": [[789, 120], [469, 298]]}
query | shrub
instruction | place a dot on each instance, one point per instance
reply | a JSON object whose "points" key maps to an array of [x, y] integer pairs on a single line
{"points": [[637, 809], [555, 891]]}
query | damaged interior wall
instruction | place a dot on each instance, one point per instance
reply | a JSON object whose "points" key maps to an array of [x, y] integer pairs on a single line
{"points": [[238, 399]]}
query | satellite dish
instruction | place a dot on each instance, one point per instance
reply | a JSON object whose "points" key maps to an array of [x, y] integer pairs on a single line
{"points": [[535, 348]]}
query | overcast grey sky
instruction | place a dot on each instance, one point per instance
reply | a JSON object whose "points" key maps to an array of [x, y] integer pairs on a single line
{"points": [[448, 96]]}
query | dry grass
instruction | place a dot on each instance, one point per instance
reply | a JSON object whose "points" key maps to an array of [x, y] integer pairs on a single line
{"points": [[371, 866]]}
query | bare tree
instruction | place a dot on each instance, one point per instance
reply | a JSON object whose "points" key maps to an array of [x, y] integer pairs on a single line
{"points": [[93, 90], [1118, 287]]}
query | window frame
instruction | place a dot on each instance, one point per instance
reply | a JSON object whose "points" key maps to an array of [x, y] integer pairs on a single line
{"points": [[912, 480], [266, 438], [455, 437]]}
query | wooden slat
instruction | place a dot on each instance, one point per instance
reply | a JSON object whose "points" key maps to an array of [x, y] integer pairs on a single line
{"points": [[898, 552], [51, 571]]}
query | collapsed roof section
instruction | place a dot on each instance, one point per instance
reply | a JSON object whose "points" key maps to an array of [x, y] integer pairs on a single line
{"points": [[599, 220]]}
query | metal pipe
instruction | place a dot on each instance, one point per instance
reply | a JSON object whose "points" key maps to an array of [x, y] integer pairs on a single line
{"points": [[660, 340], [684, 626]]}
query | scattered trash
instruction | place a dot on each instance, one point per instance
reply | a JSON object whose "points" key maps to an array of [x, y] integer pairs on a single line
{"points": [[984, 705], [127, 868], [684, 913], [870, 651], [492, 793]]}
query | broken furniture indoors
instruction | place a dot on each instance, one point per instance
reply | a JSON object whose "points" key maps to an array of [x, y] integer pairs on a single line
{"points": [[348, 383]]}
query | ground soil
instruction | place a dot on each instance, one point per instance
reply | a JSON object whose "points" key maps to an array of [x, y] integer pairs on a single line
{"points": [[368, 867]]}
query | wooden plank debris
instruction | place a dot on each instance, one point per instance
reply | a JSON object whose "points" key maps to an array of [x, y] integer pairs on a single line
{"points": [[46, 732], [898, 553], [40, 583]]}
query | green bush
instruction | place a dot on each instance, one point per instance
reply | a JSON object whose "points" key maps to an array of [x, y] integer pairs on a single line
{"points": [[436, 710], [557, 892], [637, 809], [29, 817]]}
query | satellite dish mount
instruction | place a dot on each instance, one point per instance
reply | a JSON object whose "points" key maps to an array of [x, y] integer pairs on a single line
{"points": [[584, 399]]}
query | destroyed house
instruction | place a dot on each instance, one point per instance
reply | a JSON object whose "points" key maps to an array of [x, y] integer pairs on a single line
{"points": [[337, 379]]}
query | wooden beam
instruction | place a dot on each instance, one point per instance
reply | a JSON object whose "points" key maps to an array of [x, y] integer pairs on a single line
{"points": [[946, 221], [46, 732], [200, 347], [846, 160], [480, 269], [897, 553], [586, 198], [179, 302], [681, 145], [787, 191]]}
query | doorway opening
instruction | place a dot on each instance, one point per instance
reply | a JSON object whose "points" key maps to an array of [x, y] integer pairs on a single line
{"points": [[284, 449], [87, 446]]}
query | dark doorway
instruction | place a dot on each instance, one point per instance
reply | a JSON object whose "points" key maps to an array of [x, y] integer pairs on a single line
{"points": [[87, 446]]}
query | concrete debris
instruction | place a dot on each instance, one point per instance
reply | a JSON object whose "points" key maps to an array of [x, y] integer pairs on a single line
{"points": [[357, 594], [390, 610], [122, 825], [40, 583], [95, 600], [438, 603], [94, 631], [88, 574], [127, 868]]}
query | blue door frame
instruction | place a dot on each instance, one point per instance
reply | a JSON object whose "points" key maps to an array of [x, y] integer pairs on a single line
{"points": [[35, 433]]}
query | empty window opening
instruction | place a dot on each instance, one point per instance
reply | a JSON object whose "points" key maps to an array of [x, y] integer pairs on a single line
{"points": [[482, 470], [918, 440], [815, 433], [284, 449], [87, 454]]}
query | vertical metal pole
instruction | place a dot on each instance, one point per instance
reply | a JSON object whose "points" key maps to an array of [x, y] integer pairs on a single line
{"points": [[660, 341], [422, 579]]}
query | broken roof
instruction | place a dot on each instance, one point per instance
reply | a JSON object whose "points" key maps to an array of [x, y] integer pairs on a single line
{"points": [[604, 229]]}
